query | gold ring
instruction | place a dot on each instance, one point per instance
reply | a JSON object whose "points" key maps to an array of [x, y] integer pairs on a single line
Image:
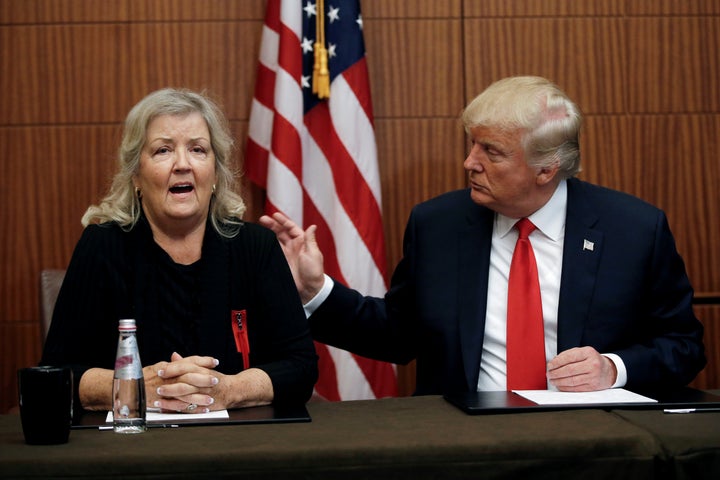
{"points": [[191, 407]]}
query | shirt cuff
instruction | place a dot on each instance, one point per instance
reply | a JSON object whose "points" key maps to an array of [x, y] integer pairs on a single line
{"points": [[621, 379], [318, 299]]}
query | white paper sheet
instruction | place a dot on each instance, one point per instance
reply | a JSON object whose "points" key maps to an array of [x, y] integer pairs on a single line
{"points": [[157, 417], [612, 395]]}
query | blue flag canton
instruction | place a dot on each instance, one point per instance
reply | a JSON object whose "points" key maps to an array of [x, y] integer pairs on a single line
{"points": [[343, 40]]}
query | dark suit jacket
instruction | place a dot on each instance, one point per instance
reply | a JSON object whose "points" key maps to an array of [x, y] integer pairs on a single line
{"points": [[629, 295], [115, 274]]}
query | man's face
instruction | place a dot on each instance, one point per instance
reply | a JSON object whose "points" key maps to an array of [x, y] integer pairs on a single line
{"points": [[498, 173]]}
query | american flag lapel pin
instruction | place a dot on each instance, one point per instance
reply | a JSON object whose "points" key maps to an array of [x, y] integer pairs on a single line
{"points": [[588, 245]]}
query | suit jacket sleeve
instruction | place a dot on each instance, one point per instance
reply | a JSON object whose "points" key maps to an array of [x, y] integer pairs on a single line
{"points": [[668, 350]]}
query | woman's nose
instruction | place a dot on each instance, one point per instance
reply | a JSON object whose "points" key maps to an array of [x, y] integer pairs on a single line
{"points": [[182, 160]]}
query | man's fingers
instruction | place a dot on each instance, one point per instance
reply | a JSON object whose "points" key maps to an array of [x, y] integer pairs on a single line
{"points": [[286, 224], [285, 229], [280, 218], [568, 357], [268, 222], [310, 235], [277, 228]]}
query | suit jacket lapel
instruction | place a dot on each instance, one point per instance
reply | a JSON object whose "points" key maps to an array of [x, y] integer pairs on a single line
{"points": [[581, 257], [473, 259]]}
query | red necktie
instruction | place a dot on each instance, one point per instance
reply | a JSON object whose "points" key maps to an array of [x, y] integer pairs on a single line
{"points": [[525, 330]]}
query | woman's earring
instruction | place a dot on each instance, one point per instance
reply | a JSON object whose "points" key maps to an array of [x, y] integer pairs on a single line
{"points": [[213, 188], [138, 192]]}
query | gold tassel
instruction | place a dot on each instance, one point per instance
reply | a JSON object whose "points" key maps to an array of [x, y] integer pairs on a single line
{"points": [[323, 78], [321, 73]]}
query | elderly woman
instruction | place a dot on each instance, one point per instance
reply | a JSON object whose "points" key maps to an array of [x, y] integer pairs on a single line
{"points": [[167, 247]]}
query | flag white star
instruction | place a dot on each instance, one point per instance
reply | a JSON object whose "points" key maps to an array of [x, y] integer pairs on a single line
{"points": [[310, 9], [359, 21], [305, 81], [334, 14], [331, 50], [307, 45]]}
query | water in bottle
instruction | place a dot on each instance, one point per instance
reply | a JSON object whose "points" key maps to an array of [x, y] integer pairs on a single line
{"points": [[128, 383]]}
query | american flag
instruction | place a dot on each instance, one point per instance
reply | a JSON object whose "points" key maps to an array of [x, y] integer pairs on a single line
{"points": [[316, 158]]}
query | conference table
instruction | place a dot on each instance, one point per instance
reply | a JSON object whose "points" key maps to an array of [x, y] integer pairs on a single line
{"points": [[409, 437]]}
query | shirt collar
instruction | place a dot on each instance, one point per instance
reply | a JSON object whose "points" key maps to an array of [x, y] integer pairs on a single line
{"points": [[549, 219]]}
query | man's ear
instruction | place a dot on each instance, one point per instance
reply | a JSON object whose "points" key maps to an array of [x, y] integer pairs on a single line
{"points": [[547, 174]]}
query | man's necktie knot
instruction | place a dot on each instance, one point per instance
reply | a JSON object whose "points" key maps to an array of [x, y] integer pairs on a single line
{"points": [[525, 227]]}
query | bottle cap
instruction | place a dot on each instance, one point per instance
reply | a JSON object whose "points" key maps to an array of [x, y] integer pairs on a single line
{"points": [[127, 325]]}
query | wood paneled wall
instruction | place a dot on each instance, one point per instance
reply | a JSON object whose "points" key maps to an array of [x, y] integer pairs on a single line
{"points": [[643, 71]]}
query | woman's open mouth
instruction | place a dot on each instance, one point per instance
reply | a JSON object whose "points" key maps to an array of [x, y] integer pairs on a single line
{"points": [[181, 188]]}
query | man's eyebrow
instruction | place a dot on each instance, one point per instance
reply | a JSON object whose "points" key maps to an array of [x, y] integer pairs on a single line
{"points": [[490, 143]]}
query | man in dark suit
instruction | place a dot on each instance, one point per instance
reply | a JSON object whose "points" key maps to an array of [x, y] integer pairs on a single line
{"points": [[616, 300]]}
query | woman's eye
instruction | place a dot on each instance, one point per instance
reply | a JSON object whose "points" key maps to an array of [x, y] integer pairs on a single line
{"points": [[162, 150]]}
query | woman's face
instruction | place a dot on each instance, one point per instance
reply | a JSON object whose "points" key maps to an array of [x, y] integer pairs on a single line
{"points": [[177, 173]]}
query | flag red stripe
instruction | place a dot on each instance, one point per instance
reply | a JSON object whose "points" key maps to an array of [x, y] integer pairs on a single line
{"points": [[272, 15], [257, 169], [356, 76], [265, 86], [290, 54], [286, 145]]}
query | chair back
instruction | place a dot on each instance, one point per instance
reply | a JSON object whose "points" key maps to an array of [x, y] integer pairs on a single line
{"points": [[50, 282]]}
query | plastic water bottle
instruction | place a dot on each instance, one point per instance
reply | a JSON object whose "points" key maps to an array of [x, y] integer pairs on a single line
{"points": [[128, 383]]}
